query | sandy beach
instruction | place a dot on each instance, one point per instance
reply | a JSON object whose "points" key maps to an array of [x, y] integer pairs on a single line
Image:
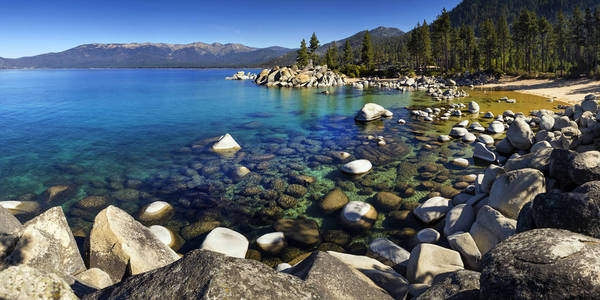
{"points": [[571, 91]]}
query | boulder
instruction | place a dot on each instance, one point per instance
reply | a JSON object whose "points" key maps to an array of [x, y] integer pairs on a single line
{"points": [[490, 228], [458, 132], [542, 263], [469, 138], [489, 176], [204, 274], [496, 127], [539, 160], [481, 151], [473, 107], [95, 278], [589, 105], [272, 242], [120, 245], [157, 212], [428, 235], [462, 284], [486, 139], [18, 208], [384, 276], [584, 167], [47, 244], [357, 167], [334, 200], [226, 143], [25, 282], [300, 231], [546, 122], [520, 135], [370, 112], [10, 231], [540, 146], [358, 215], [459, 218], [167, 237], [226, 241], [58, 194], [433, 209], [576, 212], [390, 251], [387, 201], [460, 162], [513, 189], [428, 260], [334, 279], [504, 146], [463, 242]]}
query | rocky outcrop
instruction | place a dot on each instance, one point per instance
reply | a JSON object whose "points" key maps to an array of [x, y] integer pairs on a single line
{"points": [[120, 245], [202, 274], [461, 284], [370, 112], [542, 263], [428, 260], [513, 189], [25, 282], [318, 76], [242, 76], [10, 231], [334, 279], [46, 243]]}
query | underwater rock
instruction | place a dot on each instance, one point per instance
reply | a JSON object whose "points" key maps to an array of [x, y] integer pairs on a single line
{"points": [[301, 231], [58, 194], [93, 202], [358, 215], [21, 207], [226, 241], [357, 167], [157, 212], [387, 201], [296, 190], [334, 200], [226, 143], [126, 195], [272, 242], [168, 237]]}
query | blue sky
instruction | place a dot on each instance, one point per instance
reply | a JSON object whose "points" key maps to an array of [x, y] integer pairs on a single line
{"points": [[30, 27]]}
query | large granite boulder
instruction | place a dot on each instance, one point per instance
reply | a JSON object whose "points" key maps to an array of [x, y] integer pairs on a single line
{"points": [[433, 209], [584, 167], [490, 228], [390, 251], [520, 135], [334, 200], [459, 218], [226, 241], [25, 282], [513, 189], [334, 279], [489, 176], [226, 143], [10, 231], [370, 112], [383, 275], [539, 160], [47, 244], [95, 278], [462, 284], [463, 242], [120, 245], [428, 260], [576, 212], [202, 274], [542, 264]]}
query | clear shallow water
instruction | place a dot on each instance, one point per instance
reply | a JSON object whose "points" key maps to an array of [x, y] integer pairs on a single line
{"points": [[137, 136]]}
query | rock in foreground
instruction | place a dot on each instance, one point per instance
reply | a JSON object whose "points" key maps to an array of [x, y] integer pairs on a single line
{"points": [[24, 282], [543, 263], [204, 274]]}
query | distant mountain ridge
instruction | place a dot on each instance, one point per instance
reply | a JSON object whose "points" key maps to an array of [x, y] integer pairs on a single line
{"points": [[140, 55]]}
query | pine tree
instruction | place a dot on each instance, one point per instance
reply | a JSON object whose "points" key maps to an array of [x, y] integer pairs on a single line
{"points": [[332, 56], [545, 30], [503, 33], [488, 42], [314, 45], [561, 37], [348, 54], [303, 56], [367, 55]]}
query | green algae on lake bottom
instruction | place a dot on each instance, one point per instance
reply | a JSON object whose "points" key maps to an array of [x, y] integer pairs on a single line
{"points": [[291, 133]]}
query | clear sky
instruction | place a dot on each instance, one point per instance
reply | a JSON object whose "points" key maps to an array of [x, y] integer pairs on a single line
{"points": [[30, 27]]}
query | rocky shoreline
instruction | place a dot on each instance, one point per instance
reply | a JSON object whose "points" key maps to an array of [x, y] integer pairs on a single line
{"points": [[526, 227]]}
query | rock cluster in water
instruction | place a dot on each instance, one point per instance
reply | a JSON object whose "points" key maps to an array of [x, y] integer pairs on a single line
{"points": [[242, 76], [318, 76]]}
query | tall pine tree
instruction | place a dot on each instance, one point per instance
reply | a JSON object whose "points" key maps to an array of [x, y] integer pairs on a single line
{"points": [[303, 56], [348, 54], [367, 54]]}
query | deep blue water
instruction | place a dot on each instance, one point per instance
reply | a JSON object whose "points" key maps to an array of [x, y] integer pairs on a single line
{"points": [[125, 122]]}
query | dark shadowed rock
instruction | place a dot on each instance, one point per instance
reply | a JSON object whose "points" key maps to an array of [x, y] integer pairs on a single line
{"points": [[525, 219], [559, 166], [571, 211], [333, 279], [204, 274], [300, 231], [542, 264], [10, 230], [584, 167], [462, 284]]}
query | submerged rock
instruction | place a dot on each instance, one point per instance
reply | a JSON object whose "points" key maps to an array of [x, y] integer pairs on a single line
{"points": [[21, 207], [167, 237], [357, 167], [301, 231], [226, 241], [334, 200], [272, 242], [157, 212], [358, 215]]}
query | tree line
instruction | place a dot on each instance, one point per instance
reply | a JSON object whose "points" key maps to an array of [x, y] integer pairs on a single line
{"points": [[567, 46]]}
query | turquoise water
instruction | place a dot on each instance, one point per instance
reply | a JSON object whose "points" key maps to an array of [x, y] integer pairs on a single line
{"points": [[136, 136]]}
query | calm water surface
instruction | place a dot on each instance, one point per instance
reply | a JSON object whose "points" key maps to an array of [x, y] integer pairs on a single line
{"points": [[136, 136]]}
